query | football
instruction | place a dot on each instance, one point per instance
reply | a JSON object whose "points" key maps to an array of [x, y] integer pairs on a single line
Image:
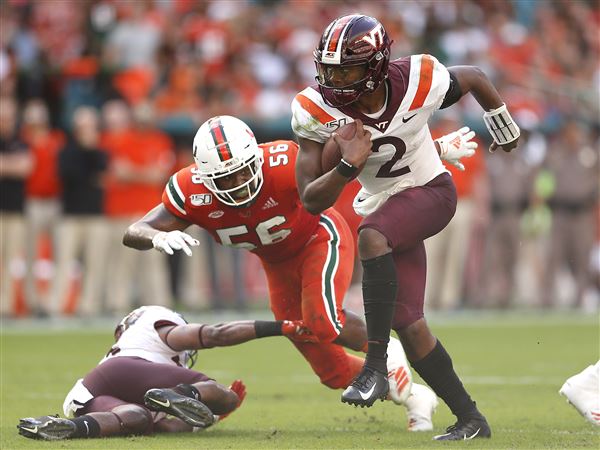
{"points": [[331, 155]]}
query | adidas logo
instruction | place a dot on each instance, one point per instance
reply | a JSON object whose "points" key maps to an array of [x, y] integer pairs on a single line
{"points": [[269, 204]]}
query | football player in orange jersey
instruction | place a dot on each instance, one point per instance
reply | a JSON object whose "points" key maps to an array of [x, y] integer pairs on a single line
{"points": [[245, 195]]}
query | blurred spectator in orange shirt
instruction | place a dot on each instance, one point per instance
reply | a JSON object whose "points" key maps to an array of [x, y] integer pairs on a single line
{"points": [[447, 251], [42, 194], [178, 104], [210, 39], [141, 161]]}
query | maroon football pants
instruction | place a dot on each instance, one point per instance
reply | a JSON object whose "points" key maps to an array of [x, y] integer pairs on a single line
{"points": [[406, 219]]}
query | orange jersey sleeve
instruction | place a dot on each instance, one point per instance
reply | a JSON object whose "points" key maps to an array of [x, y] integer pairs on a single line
{"points": [[176, 191]]}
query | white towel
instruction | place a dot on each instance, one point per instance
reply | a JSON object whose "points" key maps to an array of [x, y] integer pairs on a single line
{"points": [[365, 203], [77, 397]]}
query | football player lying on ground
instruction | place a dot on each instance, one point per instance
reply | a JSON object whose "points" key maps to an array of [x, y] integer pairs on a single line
{"points": [[583, 392], [147, 375], [245, 195]]}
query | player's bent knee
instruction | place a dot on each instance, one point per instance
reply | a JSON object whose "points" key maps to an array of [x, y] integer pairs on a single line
{"points": [[337, 380], [230, 400], [220, 399], [371, 244], [134, 419]]}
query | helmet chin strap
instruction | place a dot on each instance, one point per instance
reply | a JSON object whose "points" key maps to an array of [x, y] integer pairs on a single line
{"points": [[252, 191]]}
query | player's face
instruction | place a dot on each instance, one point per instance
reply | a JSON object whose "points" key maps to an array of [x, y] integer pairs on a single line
{"points": [[340, 76], [237, 178]]}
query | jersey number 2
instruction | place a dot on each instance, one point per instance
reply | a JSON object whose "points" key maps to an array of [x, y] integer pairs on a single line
{"points": [[385, 171]]}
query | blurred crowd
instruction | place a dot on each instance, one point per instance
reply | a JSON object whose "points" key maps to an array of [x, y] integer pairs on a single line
{"points": [[100, 99]]}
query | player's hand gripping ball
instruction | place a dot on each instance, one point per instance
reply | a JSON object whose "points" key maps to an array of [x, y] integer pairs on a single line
{"points": [[331, 155]]}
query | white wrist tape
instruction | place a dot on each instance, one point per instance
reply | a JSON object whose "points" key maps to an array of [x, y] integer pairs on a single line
{"points": [[501, 126]]}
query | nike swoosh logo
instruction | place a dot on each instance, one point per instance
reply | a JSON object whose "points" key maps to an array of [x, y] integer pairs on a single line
{"points": [[406, 119], [358, 200], [158, 402], [472, 436], [367, 394], [33, 430]]}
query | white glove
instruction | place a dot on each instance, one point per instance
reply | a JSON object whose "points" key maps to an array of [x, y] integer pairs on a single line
{"points": [[457, 145], [168, 242]]}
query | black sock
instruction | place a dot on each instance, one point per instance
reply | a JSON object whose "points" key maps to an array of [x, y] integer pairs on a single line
{"points": [[437, 371], [188, 390], [379, 296], [87, 427]]}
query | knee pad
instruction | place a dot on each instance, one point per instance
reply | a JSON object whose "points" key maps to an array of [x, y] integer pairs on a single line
{"points": [[134, 419]]}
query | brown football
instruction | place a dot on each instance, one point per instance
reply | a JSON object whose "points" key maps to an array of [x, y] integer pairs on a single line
{"points": [[331, 155]]}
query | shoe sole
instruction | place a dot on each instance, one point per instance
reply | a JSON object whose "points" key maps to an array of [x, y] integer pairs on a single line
{"points": [[49, 431], [191, 411], [362, 403], [449, 437], [481, 433]]}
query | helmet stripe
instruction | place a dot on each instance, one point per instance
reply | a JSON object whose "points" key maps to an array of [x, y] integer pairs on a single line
{"points": [[336, 33], [425, 79], [218, 134]]}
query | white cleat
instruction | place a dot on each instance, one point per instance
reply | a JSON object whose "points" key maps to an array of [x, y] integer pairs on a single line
{"points": [[399, 376], [420, 406], [400, 385], [583, 392]]}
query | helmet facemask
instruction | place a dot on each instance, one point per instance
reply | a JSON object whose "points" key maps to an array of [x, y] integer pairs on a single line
{"points": [[250, 174], [338, 96]]}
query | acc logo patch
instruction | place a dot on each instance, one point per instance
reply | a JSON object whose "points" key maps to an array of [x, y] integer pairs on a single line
{"points": [[216, 214], [201, 199]]}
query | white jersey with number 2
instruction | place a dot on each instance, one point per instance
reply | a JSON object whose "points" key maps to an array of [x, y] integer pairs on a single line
{"points": [[403, 150]]}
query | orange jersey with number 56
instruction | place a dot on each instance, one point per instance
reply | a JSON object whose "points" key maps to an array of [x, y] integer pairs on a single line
{"points": [[275, 226]]}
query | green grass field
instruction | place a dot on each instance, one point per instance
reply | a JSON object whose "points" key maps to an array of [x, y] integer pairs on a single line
{"points": [[512, 365]]}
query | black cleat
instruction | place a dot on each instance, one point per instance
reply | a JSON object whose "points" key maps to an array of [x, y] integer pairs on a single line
{"points": [[49, 428], [466, 429], [191, 411], [368, 386]]}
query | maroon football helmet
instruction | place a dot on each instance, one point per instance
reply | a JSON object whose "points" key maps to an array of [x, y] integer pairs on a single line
{"points": [[352, 40]]}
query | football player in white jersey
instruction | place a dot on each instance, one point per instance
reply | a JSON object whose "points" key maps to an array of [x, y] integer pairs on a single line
{"points": [[147, 374], [406, 196]]}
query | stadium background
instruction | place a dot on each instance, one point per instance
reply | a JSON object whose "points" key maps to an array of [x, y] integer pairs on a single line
{"points": [[155, 70]]}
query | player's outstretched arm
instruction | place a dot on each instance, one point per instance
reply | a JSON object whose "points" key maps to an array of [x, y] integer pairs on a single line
{"points": [[498, 120], [198, 336], [161, 230]]}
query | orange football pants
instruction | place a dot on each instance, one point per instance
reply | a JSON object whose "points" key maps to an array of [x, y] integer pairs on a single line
{"points": [[311, 286]]}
